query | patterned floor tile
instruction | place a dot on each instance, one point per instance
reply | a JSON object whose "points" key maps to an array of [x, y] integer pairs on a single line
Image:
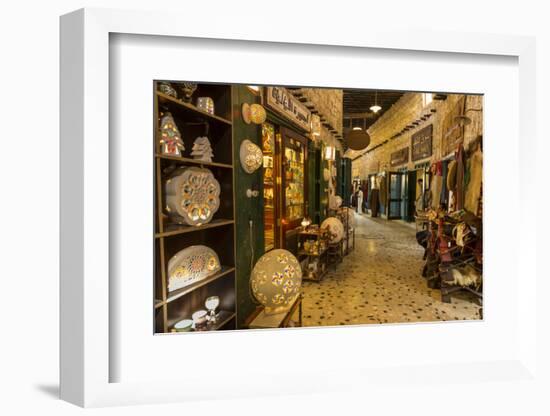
{"points": [[381, 282]]}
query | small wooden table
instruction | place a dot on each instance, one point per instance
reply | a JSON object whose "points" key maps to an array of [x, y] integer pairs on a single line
{"points": [[318, 257], [260, 320]]}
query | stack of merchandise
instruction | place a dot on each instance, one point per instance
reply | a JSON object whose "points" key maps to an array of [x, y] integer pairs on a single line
{"points": [[202, 149]]}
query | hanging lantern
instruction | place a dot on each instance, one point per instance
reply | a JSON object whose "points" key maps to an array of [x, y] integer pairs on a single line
{"points": [[358, 138], [330, 153], [315, 126]]}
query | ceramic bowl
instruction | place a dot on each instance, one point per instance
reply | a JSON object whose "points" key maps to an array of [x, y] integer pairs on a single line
{"points": [[184, 325], [199, 317]]}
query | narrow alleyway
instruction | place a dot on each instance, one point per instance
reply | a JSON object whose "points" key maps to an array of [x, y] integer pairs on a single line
{"points": [[380, 282]]}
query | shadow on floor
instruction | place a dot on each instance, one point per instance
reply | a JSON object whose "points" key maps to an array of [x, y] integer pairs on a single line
{"points": [[51, 390]]}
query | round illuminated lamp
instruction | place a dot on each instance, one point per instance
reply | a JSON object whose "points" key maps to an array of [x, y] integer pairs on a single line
{"points": [[192, 196], [358, 139], [335, 228], [351, 216], [257, 113], [245, 113], [276, 281], [251, 156]]}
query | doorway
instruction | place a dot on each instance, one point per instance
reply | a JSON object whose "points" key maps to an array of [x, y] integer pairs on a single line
{"points": [[395, 196]]}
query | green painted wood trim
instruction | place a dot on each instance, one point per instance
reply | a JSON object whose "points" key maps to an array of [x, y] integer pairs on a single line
{"points": [[246, 209]]}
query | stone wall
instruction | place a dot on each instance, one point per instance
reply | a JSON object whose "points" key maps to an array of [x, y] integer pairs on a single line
{"points": [[409, 108], [328, 103]]}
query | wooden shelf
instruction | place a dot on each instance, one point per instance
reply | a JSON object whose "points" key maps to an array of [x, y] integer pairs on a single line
{"points": [[190, 109], [305, 253], [178, 293], [189, 161], [224, 317], [171, 237], [177, 229]]}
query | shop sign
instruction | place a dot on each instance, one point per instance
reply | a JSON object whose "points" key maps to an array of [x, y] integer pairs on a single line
{"points": [[399, 157], [421, 143], [284, 103]]}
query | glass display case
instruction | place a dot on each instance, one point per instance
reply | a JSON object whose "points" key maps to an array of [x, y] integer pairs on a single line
{"points": [[294, 182], [284, 183], [269, 179]]}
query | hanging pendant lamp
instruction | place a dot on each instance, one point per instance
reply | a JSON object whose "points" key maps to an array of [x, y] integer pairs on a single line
{"points": [[375, 108], [357, 138]]}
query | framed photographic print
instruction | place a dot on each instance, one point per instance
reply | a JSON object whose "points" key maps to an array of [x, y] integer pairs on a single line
{"points": [[227, 225]]}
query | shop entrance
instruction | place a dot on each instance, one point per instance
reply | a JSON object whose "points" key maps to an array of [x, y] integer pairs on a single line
{"points": [[395, 195]]}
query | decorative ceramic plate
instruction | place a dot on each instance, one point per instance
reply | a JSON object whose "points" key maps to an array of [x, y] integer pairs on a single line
{"points": [[336, 228], [190, 265], [193, 196], [276, 280], [251, 156]]}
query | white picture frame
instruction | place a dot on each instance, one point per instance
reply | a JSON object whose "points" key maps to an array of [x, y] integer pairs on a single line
{"points": [[86, 262]]}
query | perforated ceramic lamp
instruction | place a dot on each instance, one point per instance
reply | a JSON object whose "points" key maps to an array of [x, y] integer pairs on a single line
{"points": [[276, 280], [192, 196], [335, 227]]}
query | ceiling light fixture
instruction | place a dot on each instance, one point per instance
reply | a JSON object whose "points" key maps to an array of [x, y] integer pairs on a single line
{"points": [[375, 108], [357, 138]]}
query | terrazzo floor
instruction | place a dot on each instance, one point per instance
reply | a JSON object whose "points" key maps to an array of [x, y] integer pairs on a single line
{"points": [[380, 282]]}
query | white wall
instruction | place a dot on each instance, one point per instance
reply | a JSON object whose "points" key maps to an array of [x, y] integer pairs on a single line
{"points": [[29, 178]]}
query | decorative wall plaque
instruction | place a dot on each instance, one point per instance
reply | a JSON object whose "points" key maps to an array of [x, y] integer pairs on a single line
{"points": [[421, 143], [400, 157]]}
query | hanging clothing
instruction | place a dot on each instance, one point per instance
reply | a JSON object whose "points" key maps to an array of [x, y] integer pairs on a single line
{"points": [[436, 184], [473, 189], [360, 201], [374, 202], [365, 194], [444, 189], [459, 177], [451, 176], [383, 191]]}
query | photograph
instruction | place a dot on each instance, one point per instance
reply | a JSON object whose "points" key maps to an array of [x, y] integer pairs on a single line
{"points": [[305, 208], [298, 206]]}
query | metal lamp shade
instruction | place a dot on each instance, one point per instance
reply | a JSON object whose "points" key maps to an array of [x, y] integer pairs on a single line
{"points": [[358, 139]]}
